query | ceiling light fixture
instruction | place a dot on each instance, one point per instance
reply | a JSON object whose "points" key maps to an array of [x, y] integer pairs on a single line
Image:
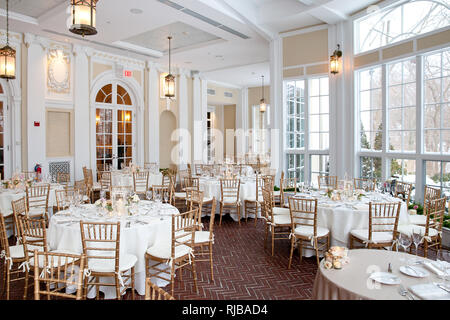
{"points": [[334, 60], [262, 102], [83, 17], [7, 54], [169, 80]]}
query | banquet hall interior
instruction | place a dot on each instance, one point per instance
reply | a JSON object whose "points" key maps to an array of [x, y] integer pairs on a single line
{"points": [[225, 149]]}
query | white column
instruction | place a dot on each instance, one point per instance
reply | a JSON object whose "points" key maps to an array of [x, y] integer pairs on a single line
{"points": [[36, 139], [197, 119], [183, 120], [242, 124], [204, 117], [153, 113], [276, 106], [81, 110]]}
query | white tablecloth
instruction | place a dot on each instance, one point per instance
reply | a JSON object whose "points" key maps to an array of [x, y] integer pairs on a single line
{"points": [[342, 217], [120, 178], [144, 230], [6, 196], [211, 188]]}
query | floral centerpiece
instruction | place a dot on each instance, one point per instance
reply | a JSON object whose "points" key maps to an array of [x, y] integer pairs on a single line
{"points": [[104, 204], [336, 257], [133, 199], [17, 181]]}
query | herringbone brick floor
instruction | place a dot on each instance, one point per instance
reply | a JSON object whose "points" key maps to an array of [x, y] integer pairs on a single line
{"points": [[243, 269]]}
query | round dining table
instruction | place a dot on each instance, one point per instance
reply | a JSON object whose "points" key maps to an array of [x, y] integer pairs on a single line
{"points": [[354, 282], [150, 223]]}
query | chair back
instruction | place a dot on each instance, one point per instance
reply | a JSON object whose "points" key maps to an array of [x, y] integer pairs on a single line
{"points": [[229, 189], [61, 270], [431, 194], [88, 177], [259, 185], [140, 181], [4, 244], [82, 189], [435, 211], [34, 235], [105, 180], [327, 182], [198, 167], [183, 230], [19, 208], [153, 292], [303, 213], [364, 184], [403, 191], [37, 196], [267, 204], [101, 242], [65, 197], [29, 175], [192, 183], [288, 187], [63, 178], [194, 199], [182, 175], [383, 217]]}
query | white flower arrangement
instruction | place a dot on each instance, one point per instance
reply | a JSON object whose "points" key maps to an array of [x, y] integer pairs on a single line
{"points": [[336, 257]]}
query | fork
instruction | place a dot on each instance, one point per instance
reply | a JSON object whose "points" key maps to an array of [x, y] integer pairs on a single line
{"points": [[405, 293]]}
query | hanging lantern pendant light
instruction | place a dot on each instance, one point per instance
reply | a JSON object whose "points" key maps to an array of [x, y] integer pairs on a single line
{"points": [[169, 80], [7, 54], [334, 60], [83, 14], [262, 102]]}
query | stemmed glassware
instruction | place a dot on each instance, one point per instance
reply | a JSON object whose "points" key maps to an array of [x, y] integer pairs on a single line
{"points": [[417, 238], [149, 194], [405, 241]]}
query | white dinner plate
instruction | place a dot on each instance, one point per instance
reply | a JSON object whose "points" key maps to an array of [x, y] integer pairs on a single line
{"points": [[385, 278], [414, 271]]}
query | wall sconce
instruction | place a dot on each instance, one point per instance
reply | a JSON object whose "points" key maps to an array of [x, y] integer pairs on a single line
{"points": [[334, 60]]}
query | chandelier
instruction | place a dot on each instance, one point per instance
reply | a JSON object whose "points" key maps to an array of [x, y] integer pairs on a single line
{"points": [[83, 17], [7, 54]]}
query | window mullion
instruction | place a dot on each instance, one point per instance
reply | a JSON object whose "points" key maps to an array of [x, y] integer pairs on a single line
{"points": [[385, 139]]}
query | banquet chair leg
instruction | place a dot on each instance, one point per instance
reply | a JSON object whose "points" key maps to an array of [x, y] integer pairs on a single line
{"points": [[221, 211], [118, 295], [300, 249], [273, 239], [132, 283], [5, 266], [172, 277], [292, 251], [238, 208], [211, 260], [328, 242], [25, 292], [256, 213], [245, 212], [194, 274], [267, 235], [425, 249], [351, 242], [85, 288], [317, 251], [8, 281], [97, 288]]}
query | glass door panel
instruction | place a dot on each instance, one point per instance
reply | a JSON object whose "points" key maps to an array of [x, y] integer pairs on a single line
{"points": [[2, 145], [104, 137], [124, 138]]}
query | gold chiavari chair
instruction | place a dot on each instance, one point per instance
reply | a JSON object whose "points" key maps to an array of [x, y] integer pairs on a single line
{"points": [[194, 200], [204, 240], [327, 182], [383, 225], [140, 182], [430, 194], [161, 191], [153, 292], [432, 231], [59, 270], [279, 225], [19, 208], [305, 230], [364, 184], [89, 182], [288, 188], [106, 182], [166, 179], [63, 178], [34, 237], [82, 190], [229, 189], [101, 246], [29, 175], [14, 256], [179, 254], [37, 200], [64, 198], [198, 168], [403, 191], [253, 204], [183, 175]]}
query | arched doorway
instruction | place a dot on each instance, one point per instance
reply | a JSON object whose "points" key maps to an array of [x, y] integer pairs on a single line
{"points": [[115, 127], [167, 125]]}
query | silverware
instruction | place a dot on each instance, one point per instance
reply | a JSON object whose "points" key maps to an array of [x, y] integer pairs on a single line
{"points": [[405, 293], [413, 270], [441, 287]]}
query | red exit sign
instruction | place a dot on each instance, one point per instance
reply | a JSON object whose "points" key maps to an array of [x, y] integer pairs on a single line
{"points": [[127, 73]]}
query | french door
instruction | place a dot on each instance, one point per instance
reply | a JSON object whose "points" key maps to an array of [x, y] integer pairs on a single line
{"points": [[115, 129]]}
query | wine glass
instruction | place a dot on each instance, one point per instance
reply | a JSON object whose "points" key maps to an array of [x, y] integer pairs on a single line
{"points": [[149, 194], [405, 241], [102, 194], [417, 238], [166, 197]]}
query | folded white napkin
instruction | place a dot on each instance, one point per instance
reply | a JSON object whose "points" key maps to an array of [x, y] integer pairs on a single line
{"points": [[437, 267], [429, 291]]}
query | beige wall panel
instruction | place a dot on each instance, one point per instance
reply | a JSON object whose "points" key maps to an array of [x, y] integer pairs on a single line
{"points": [[98, 68], [296, 72], [59, 133], [229, 123], [305, 48], [366, 59], [398, 50], [434, 40], [167, 124], [220, 99], [137, 75], [317, 69]]}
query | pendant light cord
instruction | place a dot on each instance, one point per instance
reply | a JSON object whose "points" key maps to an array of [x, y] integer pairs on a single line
{"points": [[7, 22], [262, 87], [170, 38]]}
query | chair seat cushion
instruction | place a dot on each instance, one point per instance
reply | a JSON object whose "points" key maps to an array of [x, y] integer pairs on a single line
{"points": [[253, 199], [418, 219], [408, 229], [36, 211], [377, 237], [230, 200], [127, 261], [207, 199], [180, 195], [16, 252], [281, 211], [201, 237], [277, 193], [162, 251], [308, 231], [282, 219]]}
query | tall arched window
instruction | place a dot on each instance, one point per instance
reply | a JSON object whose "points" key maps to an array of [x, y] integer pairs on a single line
{"points": [[3, 133], [115, 127]]}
